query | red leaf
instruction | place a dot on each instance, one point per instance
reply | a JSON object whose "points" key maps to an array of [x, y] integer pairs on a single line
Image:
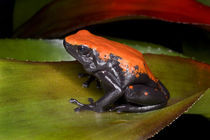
{"points": [[62, 16]]}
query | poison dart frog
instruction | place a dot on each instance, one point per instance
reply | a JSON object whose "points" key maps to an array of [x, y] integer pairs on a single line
{"points": [[125, 77]]}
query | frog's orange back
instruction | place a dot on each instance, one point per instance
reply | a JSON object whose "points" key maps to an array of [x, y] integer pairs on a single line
{"points": [[130, 57]]}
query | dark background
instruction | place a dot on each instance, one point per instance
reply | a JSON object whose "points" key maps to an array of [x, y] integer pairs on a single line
{"points": [[170, 35], [6, 17]]}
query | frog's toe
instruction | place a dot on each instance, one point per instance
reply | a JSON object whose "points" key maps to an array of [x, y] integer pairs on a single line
{"points": [[77, 109], [85, 85], [84, 107], [81, 108], [91, 100], [74, 101]]}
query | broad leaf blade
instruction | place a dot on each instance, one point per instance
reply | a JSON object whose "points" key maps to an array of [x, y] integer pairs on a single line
{"points": [[63, 16], [34, 101], [33, 50], [202, 106], [53, 50]]}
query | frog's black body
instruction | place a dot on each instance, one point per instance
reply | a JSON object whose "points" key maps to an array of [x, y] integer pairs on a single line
{"points": [[138, 94]]}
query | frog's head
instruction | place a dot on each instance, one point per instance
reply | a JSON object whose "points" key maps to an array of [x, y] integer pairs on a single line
{"points": [[81, 53], [83, 47]]}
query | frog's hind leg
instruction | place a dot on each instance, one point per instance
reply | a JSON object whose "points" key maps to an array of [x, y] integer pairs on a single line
{"points": [[136, 109], [141, 98]]}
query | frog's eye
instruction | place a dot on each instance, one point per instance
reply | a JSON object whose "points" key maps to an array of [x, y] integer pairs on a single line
{"points": [[84, 50]]}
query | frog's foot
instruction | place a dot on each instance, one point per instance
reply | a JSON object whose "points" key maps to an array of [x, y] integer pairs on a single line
{"points": [[136, 109], [90, 79], [74, 101], [83, 107]]}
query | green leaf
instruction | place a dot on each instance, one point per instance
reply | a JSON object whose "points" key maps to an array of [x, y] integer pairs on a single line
{"points": [[202, 106], [205, 2], [34, 100], [146, 47], [53, 50], [33, 50]]}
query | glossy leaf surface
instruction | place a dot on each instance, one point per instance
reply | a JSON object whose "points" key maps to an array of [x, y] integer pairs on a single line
{"points": [[33, 50], [53, 50], [34, 101], [63, 16], [202, 106]]}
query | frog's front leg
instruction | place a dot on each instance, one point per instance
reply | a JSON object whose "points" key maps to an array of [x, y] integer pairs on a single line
{"points": [[101, 105], [104, 103]]}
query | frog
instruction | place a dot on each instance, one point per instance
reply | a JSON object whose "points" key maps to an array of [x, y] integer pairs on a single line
{"points": [[121, 71]]}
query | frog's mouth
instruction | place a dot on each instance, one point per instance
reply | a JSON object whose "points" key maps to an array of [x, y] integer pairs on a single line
{"points": [[71, 49]]}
